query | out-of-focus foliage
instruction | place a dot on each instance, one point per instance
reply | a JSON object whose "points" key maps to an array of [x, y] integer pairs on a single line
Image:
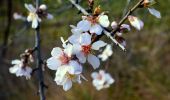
{"points": [[141, 73]]}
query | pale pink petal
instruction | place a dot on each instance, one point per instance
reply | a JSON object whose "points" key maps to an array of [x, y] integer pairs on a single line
{"points": [[98, 44], [67, 85], [30, 8], [53, 63], [97, 29], [154, 12], [17, 61], [136, 22], [56, 52], [74, 39], [81, 57], [84, 25], [85, 39], [34, 23], [75, 67], [94, 75], [114, 25], [94, 61], [104, 20]]}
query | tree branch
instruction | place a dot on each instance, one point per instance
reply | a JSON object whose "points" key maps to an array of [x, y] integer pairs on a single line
{"points": [[39, 60], [126, 16]]}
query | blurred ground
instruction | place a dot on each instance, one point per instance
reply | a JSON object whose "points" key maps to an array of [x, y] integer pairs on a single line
{"points": [[141, 73]]}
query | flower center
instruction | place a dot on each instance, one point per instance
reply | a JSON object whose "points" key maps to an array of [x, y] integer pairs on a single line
{"points": [[86, 49], [99, 77], [70, 76], [92, 19], [32, 15], [64, 59]]}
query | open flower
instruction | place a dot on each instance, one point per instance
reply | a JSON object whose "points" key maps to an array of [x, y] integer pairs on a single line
{"points": [[106, 53], [83, 48], [95, 24], [102, 80], [33, 16], [67, 74], [19, 69], [60, 57], [136, 22]]}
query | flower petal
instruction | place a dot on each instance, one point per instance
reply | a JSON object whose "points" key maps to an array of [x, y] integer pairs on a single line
{"points": [[136, 22], [85, 39], [94, 61], [97, 29], [94, 75], [67, 85], [104, 20], [81, 57], [84, 25], [34, 23], [154, 12], [114, 25], [68, 50], [98, 44], [13, 69], [75, 67], [56, 52], [17, 61], [53, 63], [74, 39], [30, 8]]}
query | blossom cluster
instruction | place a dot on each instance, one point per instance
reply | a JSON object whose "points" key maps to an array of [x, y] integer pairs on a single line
{"points": [[78, 49], [82, 46]]}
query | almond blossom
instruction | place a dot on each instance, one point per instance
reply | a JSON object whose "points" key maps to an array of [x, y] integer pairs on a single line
{"points": [[19, 69], [102, 79], [33, 16], [67, 74], [60, 57], [106, 53], [83, 47], [95, 24]]}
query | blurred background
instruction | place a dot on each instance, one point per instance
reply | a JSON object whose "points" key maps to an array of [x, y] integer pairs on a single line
{"points": [[141, 73]]}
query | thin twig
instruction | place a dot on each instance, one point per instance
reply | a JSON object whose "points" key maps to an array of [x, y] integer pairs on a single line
{"points": [[126, 16], [39, 60]]}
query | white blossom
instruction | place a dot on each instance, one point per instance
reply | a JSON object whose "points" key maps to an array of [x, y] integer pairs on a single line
{"points": [[82, 46], [106, 53], [60, 57], [67, 74], [33, 16], [19, 69], [102, 79], [93, 25]]}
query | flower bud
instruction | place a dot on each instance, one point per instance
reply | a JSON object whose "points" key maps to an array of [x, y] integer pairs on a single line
{"points": [[43, 7]]}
